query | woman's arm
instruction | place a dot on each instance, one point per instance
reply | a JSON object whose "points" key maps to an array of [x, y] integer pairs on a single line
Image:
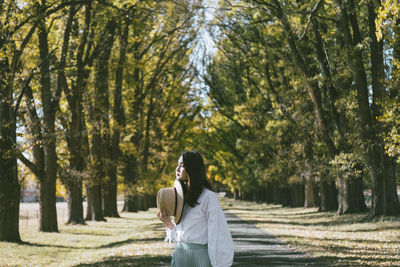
{"points": [[170, 230], [165, 218], [220, 244]]}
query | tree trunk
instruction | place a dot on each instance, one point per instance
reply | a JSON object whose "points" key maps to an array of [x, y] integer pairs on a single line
{"points": [[286, 196], [350, 196], [387, 202], [278, 196], [328, 200], [73, 177], [311, 198], [94, 185], [298, 195], [77, 163], [99, 120], [139, 201], [102, 110], [48, 212], [146, 140], [131, 161], [110, 193], [47, 197], [94, 203], [310, 187], [396, 56], [47, 203], [268, 194], [130, 175], [9, 185], [110, 207], [152, 201], [236, 194], [130, 204], [74, 201], [78, 148], [78, 143]]}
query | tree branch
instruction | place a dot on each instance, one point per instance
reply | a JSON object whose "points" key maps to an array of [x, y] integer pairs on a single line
{"points": [[310, 17], [24, 87], [29, 164]]}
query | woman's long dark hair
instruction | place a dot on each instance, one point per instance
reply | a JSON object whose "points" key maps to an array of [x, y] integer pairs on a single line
{"points": [[194, 165]]}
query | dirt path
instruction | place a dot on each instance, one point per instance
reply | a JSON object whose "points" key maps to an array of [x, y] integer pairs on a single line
{"points": [[254, 247]]}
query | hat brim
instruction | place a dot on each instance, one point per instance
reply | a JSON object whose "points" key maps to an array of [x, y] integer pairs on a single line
{"points": [[180, 194]]}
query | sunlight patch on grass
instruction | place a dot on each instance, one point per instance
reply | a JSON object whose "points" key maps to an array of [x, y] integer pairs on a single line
{"points": [[134, 235], [345, 240]]}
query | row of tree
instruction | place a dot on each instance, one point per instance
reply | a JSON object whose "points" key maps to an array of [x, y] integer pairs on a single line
{"points": [[96, 94], [304, 103]]}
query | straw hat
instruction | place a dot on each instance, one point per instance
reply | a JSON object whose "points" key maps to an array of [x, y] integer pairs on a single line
{"points": [[172, 200]]}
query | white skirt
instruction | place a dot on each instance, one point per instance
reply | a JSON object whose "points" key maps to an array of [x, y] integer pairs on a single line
{"points": [[190, 254]]}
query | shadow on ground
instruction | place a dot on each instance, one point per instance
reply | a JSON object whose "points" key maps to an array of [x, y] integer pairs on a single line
{"points": [[254, 247], [109, 245], [131, 261]]}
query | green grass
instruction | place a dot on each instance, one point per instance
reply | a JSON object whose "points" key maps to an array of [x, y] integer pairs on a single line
{"points": [[347, 240], [136, 239]]}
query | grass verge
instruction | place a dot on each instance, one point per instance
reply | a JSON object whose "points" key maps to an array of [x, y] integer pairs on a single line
{"points": [[347, 240], [135, 239]]}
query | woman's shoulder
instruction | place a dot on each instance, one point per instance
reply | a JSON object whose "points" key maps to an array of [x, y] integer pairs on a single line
{"points": [[207, 194]]}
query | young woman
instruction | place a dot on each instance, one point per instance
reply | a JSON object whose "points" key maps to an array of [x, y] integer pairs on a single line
{"points": [[202, 233]]}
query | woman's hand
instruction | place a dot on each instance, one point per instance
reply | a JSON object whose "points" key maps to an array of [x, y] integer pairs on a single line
{"points": [[165, 218]]}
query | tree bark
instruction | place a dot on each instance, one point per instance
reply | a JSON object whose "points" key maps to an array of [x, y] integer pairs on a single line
{"points": [[110, 205], [94, 185], [131, 161], [47, 202], [130, 174], [74, 201], [47, 198], [130, 203], [99, 118], [350, 196], [297, 195], [118, 113], [278, 195], [387, 194], [142, 203], [9, 185], [396, 56], [74, 132], [77, 163], [94, 203], [311, 198], [328, 201], [102, 93]]}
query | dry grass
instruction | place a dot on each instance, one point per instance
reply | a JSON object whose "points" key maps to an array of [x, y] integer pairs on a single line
{"points": [[135, 239], [348, 240]]}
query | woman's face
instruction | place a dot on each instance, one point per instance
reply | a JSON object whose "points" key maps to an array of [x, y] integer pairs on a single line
{"points": [[180, 171]]}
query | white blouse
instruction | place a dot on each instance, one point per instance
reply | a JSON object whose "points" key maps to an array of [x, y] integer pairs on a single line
{"points": [[205, 224]]}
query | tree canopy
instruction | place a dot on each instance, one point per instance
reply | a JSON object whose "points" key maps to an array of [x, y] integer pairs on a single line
{"points": [[297, 105]]}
